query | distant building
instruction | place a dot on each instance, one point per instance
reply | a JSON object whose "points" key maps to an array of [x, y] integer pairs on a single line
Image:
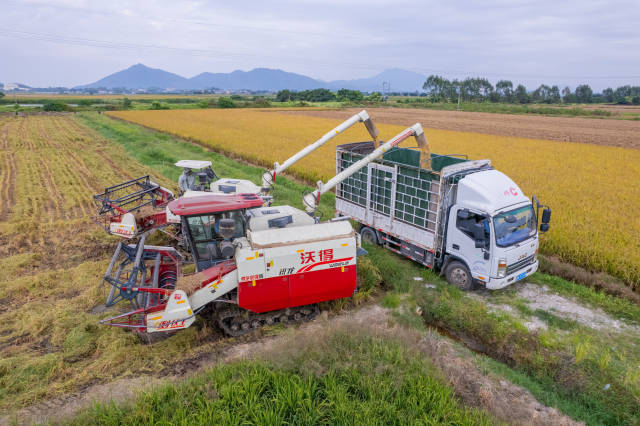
{"points": [[12, 87]]}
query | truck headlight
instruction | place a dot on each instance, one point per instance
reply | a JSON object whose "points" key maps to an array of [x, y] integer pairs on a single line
{"points": [[502, 268]]}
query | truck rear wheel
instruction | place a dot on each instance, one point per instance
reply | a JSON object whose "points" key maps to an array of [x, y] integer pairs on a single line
{"points": [[369, 235], [458, 274]]}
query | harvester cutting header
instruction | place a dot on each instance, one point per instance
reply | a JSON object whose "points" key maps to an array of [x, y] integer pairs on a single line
{"points": [[258, 264]]}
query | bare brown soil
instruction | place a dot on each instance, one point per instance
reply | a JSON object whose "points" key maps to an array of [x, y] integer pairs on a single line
{"points": [[620, 133], [597, 280], [504, 400], [630, 109]]}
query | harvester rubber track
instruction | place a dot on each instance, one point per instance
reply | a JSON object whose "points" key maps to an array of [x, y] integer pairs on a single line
{"points": [[236, 321]]}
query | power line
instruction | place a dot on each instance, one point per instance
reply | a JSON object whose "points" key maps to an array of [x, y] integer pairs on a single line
{"points": [[137, 47], [103, 12], [78, 41]]}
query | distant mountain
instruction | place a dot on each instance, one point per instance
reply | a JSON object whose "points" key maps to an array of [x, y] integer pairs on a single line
{"points": [[256, 79], [399, 80], [142, 77]]}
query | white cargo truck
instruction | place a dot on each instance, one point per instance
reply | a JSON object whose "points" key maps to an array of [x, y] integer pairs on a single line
{"points": [[463, 218]]}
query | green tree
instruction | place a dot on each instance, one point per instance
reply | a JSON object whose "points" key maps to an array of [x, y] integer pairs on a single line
{"points": [[476, 89], [635, 100], [555, 94], [226, 103], [621, 93], [1, 95], [521, 94], [567, 97], [374, 97], [438, 88], [584, 93], [608, 94], [126, 103], [504, 89], [158, 105], [284, 96], [55, 106], [321, 95], [349, 95]]}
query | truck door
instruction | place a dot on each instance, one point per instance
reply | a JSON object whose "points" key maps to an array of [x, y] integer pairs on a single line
{"points": [[381, 196], [461, 243]]}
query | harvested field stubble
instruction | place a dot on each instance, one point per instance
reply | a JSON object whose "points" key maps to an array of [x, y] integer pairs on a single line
{"points": [[52, 258], [593, 190]]}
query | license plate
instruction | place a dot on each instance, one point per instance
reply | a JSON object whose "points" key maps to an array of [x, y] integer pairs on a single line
{"points": [[521, 276]]}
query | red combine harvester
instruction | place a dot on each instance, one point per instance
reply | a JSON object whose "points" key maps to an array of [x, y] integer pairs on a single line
{"points": [[255, 264]]}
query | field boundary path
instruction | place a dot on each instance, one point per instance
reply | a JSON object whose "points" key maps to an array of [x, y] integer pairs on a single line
{"points": [[504, 400]]}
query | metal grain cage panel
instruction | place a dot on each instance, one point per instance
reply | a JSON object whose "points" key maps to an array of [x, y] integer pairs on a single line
{"points": [[395, 185]]}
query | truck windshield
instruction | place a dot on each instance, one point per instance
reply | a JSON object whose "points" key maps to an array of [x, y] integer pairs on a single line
{"points": [[514, 226]]}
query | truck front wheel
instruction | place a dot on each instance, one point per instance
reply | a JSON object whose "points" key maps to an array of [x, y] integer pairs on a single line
{"points": [[369, 235], [458, 274]]}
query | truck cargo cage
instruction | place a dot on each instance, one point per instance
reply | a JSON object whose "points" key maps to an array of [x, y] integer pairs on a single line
{"points": [[393, 188]]}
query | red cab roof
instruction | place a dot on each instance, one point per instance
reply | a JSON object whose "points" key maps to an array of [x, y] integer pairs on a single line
{"points": [[213, 203]]}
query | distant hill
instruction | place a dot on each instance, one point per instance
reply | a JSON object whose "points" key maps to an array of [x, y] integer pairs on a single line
{"points": [[142, 77], [400, 81], [256, 79]]}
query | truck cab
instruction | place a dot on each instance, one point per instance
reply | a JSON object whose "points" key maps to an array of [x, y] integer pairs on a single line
{"points": [[492, 231]]}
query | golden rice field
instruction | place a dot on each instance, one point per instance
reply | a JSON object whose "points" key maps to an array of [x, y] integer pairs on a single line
{"points": [[594, 191]]}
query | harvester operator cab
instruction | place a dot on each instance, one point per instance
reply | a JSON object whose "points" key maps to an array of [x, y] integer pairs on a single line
{"points": [[196, 176], [211, 236], [212, 222]]}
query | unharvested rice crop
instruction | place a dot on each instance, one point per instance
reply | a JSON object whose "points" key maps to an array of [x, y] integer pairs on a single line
{"points": [[594, 191]]}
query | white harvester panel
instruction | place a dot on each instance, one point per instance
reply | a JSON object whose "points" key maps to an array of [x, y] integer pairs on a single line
{"points": [[234, 186], [297, 250]]}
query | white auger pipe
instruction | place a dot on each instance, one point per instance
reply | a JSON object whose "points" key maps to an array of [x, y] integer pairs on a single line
{"points": [[269, 177], [311, 199]]}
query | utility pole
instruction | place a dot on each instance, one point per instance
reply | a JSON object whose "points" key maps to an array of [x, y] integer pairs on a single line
{"points": [[386, 88]]}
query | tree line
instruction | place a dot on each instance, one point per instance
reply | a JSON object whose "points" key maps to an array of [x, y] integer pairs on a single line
{"points": [[326, 95], [478, 89]]}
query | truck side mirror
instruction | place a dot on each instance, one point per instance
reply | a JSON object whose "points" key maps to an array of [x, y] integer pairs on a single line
{"points": [[546, 218]]}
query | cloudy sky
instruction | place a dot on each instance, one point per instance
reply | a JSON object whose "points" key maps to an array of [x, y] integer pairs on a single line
{"points": [[564, 42]]}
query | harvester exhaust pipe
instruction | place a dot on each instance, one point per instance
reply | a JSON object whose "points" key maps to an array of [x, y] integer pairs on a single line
{"points": [[269, 177], [311, 199]]}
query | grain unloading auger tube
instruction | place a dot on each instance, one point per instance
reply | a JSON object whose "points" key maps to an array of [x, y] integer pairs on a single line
{"points": [[269, 177], [311, 199]]}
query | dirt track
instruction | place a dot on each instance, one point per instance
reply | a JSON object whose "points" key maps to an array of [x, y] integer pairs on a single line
{"points": [[504, 400], [620, 133]]}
